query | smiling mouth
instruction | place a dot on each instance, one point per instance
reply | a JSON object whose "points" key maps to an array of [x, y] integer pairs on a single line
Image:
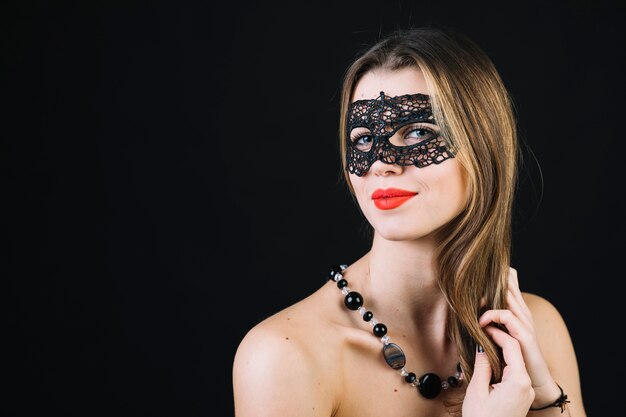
{"points": [[390, 198]]}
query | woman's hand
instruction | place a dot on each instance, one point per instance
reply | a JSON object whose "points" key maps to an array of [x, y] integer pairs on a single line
{"points": [[519, 324], [509, 398]]}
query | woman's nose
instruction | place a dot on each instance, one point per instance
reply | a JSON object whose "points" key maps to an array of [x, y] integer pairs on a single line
{"points": [[380, 168]]}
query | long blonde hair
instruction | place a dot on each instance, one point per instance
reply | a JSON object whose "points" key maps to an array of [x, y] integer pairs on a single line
{"points": [[475, 114]]}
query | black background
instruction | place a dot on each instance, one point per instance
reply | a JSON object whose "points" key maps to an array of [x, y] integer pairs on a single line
{"points": [[170, 177]]}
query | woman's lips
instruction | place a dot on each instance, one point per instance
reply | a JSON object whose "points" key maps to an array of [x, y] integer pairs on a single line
{"points": [[390, 198]]}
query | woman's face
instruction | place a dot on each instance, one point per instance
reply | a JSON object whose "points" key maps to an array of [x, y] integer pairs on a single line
{"points": [[435, 194]]}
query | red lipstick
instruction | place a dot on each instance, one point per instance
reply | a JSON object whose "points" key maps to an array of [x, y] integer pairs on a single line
{"points": [[390, 198]]}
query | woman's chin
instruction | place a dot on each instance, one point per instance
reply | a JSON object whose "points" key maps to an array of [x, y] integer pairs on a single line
{"points": [[400, 233]]}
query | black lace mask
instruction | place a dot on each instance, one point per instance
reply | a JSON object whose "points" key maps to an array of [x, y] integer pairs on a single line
{"points": [[371, 124]]}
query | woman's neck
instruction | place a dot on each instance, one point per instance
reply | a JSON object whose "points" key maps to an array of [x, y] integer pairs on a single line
{"points": [[398, 282]]}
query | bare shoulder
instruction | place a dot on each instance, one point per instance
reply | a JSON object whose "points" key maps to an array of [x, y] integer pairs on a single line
{"points": [[281, 365], [557, 347], [550, 327], [542, 310]]}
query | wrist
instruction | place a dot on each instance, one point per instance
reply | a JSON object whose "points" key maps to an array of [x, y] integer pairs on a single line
{"points": [[546, 394], [560, 401]]}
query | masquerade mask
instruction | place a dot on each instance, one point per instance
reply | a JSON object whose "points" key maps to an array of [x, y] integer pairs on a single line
{"points": [[371, 124]]}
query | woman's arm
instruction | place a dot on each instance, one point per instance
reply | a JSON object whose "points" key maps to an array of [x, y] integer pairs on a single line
{"points": [[558, 351], [546, 346], [274, 374]]}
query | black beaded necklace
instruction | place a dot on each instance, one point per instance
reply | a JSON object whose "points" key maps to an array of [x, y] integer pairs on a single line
{"points": [[429, 384]]}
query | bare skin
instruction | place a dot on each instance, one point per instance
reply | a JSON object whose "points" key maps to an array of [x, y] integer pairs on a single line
{"points": [[317, 358]]}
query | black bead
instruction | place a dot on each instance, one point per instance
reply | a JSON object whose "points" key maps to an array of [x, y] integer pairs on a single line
{"points": [[368, 316], [410, 378], [430, 385], [458, 367], [353, 300], [380, 330], [342, 283], [453, 381], [333, 270]]}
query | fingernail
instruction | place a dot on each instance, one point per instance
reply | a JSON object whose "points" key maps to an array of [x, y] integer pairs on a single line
{"points": [[479, 348]]}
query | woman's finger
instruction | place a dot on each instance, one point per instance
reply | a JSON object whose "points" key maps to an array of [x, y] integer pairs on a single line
{"points": [[514, 305], [514, 326], [481, 378], [511, 351], [517, 293]]}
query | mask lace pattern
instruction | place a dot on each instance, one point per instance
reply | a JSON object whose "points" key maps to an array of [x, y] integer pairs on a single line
{"points": [[384, 116]]}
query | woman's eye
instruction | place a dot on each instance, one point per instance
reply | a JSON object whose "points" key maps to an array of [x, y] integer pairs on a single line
{"points": [[419, 135], [363, 142]]}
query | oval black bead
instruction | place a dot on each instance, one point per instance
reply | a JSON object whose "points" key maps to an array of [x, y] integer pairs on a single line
{"points": [[453, 381], [458, 367], [430, 385], [353, 300], [368, 316], [410, 378], [394, 356], [342, 283], [333, 270], [380, 330]]}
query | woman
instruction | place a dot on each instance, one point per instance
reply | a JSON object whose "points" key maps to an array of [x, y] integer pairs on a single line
{"points": [[430, 152]]}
